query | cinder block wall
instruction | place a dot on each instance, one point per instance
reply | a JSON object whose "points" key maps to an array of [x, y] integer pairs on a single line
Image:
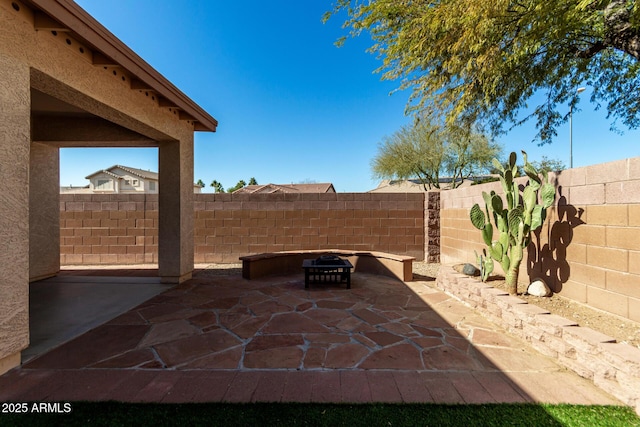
{"points": [[231, 225], [123, 229], [108, 229], [589, 248]]}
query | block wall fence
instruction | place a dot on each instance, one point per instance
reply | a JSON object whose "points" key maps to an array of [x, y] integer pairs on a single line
{"points": [[589, 247], [123, 229]]}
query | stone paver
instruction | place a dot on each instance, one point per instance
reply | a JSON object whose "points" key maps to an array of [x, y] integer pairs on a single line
{"points": [[223, 338]]}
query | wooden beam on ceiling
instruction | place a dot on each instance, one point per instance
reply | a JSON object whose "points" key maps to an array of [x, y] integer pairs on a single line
{"points": [[184, 116], [199, 127], [72, 131], [137, 84], [164, 102], [103, 60], [43, 22]]}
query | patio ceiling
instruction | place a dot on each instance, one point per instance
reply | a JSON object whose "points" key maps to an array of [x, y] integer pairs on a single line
{"points": [[57, 123]]}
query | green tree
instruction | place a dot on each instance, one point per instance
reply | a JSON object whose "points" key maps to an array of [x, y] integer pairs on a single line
{"points": [[200, 183], [549, 165], [425, 151], [217, 187], [411, 152], [238, 186], [252, 181], [481, 61], [468, 154]]}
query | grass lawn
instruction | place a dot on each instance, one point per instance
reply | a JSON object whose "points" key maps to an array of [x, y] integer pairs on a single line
{"points": [[291, 414]]}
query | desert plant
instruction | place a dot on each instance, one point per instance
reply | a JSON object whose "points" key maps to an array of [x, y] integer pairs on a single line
{"points": [[515, 219], [485, 264]]}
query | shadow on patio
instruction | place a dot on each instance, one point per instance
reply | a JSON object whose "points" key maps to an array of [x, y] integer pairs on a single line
{"points": [[218, 337]]}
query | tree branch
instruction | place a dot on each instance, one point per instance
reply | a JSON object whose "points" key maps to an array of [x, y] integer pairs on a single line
{"points": [[591, 51]]}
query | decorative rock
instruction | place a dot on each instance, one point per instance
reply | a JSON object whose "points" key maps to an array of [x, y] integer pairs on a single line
{"points": [[539, 288], [467, 269], [470, 270]]}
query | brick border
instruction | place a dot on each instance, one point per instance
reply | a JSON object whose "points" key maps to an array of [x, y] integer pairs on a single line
{"points": [[611, 366]]}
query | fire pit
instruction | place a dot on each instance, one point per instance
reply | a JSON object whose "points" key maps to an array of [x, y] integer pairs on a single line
{"points": [[327, 269]]}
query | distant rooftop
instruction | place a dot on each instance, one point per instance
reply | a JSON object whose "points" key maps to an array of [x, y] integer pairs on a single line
{"points": [[415, 186], [133, 171], [289, 188]]}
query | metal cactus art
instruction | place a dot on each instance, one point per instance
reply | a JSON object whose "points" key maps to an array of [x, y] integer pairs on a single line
{"points": [[514, 219]]}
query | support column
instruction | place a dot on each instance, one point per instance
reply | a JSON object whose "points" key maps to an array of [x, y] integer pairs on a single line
{"points": [[175, 210], [44, 212], [432, 224], [15, 138]]}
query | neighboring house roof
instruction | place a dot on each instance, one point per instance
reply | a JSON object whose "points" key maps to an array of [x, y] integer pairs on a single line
{"points": [[415, 186], [75, 187], [133, 171], [289, 188], [141, 173], [65, 15], [399, 186]]}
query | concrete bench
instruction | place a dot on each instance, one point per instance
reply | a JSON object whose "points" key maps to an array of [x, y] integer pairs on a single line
{"points": [[290, 262]]}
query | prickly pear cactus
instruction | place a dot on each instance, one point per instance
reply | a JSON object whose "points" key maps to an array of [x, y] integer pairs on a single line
{"points": [[514, 217], [486, 265]]}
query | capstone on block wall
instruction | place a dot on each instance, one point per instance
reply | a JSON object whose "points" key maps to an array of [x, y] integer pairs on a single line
{"points": [[589, 247], [122, 229]]}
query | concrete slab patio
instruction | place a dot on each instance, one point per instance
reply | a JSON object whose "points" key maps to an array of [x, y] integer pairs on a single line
{"points": [[61, 308], [218, 337]]}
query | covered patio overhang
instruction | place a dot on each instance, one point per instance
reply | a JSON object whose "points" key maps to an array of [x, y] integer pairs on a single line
{"points": [[68, 82]]}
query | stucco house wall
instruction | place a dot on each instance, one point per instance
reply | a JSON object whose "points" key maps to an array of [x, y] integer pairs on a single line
{"points": [[68, 82], [118, 180], [121, 180]]}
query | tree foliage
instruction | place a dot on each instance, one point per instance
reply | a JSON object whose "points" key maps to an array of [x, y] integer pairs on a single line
{"points": [[217, 187], [482, 61], [425, 151], [548, 165], [238, 186]]}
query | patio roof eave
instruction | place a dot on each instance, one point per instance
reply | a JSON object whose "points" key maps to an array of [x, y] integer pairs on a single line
{"points": [[108, 47]]}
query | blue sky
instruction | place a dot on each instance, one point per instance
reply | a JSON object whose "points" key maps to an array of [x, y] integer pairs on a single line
{"points": [[284, 94]]}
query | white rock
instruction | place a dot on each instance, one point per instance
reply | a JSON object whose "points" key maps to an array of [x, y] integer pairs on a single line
{"points": [[539, 288]]}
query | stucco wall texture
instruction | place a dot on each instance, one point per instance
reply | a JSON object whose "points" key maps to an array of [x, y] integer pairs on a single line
{"points": [[122, 229], [14, 211], [589, 247], [38, 56]]}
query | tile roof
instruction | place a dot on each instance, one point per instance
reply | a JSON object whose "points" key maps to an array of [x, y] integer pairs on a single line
{"points": [[137, 172], [289, 188], [415, 186]]}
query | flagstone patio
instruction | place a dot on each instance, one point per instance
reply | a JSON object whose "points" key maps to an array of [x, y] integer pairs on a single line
{"points": [[223, 338]]}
